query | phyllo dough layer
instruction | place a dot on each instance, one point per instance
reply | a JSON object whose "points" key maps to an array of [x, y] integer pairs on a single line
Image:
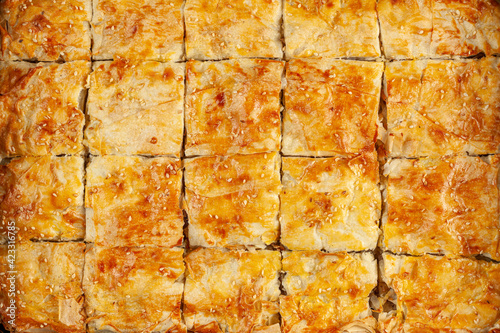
{"points": [[331, 106], [48, 287], [439, 294], [232, 291], [41, 108], [134, 201], [330, 204], [233, 107], [327, 292], [232, 29], [43, 198], [138, 29], [331, 28], [132, 289], [45, 30], [233, 201], [136, 108], [439, 28], [436, 108], [447, 205]]}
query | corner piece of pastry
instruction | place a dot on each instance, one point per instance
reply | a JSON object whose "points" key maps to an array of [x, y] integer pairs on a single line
{"points": [[441, 294], [413, 29], [45, 30], [48, 287]]}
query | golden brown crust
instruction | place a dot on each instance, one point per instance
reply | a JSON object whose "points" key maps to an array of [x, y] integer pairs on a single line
{"points": [[233, 107], [135, 108], [447, 205], [331, 28], [406, 28], [439, 294], [332, 203], [40, 108], [231, 291], [232, 29], [331, 106], [134, 201], [43, 198], [134, 289], [138, 29], [327, 292], [439, 28], [45, 30], [464, 28], [443, 107], [233, 201], [48, 290]]}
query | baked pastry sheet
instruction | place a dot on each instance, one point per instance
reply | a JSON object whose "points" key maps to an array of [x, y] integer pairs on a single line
{"points": [[132, 201], [233, 29], [233, 201], [330, 204], [331, 106], [445, 205], [45, 30], [258, 166], [439, 28], [135, 108], [233, 107], [48, 288], [327, 292], [130, 289], [441, 294], [42, 198], [41, 108], [232, 291], [137, 29], [331, 29], [437, 108]]}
